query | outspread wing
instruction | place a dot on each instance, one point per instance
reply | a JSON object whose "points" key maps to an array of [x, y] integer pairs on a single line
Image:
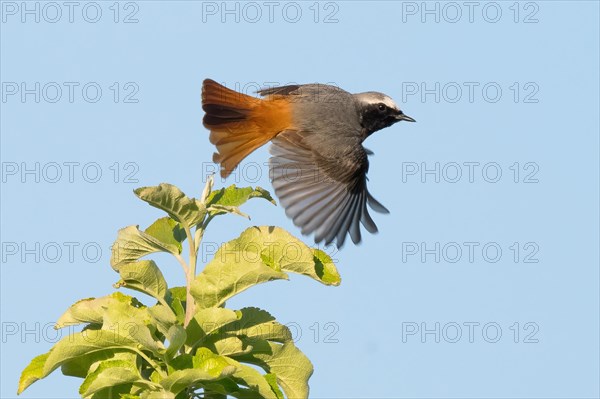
{"points": [[324, 194]]}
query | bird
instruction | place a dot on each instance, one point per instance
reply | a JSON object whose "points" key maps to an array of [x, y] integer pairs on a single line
{"points": [[318, 165]]}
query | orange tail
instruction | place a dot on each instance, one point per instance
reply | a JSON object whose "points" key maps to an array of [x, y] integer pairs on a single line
{"points": [[239, 123]]}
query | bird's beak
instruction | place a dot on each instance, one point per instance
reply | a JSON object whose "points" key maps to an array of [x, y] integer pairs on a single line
{"points": [[402, 117]]}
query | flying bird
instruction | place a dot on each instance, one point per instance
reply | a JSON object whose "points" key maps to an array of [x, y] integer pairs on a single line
{"points": [[318, 166]]}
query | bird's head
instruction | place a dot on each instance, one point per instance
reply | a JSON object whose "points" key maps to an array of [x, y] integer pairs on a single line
{"points": [[378, 111]]}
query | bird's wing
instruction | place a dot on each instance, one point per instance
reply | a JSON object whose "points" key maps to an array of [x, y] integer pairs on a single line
{"points": [[281, 90], [324, 195], [312, 90]]}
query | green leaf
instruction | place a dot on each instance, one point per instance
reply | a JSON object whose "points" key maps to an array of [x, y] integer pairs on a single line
{"points": [[134, 322], [178, 292], [119, 314], [143, 276], [162, 394], [204, 366], [223, 209], [132, 244], [167, 231], [181, 362], [258, 255], [182, 379], [254, 380], [325, 268], [82, 365], [83, 311], [83, 343], [228, 200], [118, 392], [234, 196], [286, 361], [176, 297], [176, 337], [187, 211], [179, 310], [208, 321], [33, 372], [110, 373], [259, 386], [163, 317], [77, 367], [283, 251], [272, 380], [91, 310], [210, 362], [225, 386], [258, 323], [231, 346]]}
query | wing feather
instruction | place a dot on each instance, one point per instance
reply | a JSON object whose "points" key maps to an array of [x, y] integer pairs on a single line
{"points": [[323, 194]]}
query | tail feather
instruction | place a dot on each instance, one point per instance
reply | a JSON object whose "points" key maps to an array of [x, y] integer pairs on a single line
{"points": [[239, 124]]}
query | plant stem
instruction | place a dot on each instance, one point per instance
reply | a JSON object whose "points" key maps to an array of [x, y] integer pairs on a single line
{"points": [[200, 233], [182, 263], [190, 306]]}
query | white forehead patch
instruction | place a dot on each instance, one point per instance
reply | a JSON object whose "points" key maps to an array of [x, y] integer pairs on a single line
{"points": [[373, 97], [389, 102]]}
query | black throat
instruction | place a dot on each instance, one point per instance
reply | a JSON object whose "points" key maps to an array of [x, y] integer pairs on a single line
{"points": [[372, 119]]}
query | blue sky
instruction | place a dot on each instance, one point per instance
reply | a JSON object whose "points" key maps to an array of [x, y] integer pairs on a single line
{"points": [[483, 280]]}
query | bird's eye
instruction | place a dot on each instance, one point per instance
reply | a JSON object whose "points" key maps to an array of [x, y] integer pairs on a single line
{"points": [[381, 107]]}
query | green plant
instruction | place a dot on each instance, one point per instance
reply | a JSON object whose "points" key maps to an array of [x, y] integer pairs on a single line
{"points": [[187, 344]]}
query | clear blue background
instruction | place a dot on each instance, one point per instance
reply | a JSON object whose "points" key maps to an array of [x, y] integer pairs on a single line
{"points": [[373, 46]]}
